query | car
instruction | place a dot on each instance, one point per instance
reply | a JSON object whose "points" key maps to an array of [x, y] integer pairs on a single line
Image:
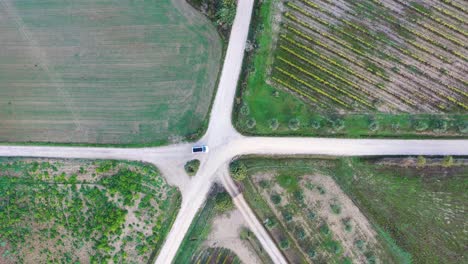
{"points": [[197, 149]]}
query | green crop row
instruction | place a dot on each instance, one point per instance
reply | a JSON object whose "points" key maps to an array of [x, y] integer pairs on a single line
{"points": [[330, 73], [414, 32], [430, 16], [325, 58], [339, 53], [324, 34], [294, 89], [323, 22], [450, 14], [292, 76], [407, 101], [317, 78]]}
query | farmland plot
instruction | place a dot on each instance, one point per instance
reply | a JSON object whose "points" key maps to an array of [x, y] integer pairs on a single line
{"points": [[82, 211], [104, 71], [362, 210], [353, 58]]}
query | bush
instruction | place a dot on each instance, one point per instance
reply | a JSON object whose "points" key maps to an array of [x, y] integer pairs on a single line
{"points": [[238, 170], [287, 215], [223, 202], [448, 161], [274, 124], [284, 243], [463, 127], [299, 196], [373, 126], [440, 126], [324, 229], [294, 124], [191, 167], [251, 123], [336, 208], [299, 232], [275, 198], [421, 125], [270, 222], [225, 16], [421, 161], [315, 124], [244, 110], [338, 124]]}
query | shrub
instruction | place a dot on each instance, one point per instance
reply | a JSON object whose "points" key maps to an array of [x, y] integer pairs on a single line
{"points": [[299, 196], [299, 232], [284, 243], [315, 124], [448, 161], [333, 247], [238, 170], [274, 124], [463, 127], [359, 244], [270, 222], [324, 229], [421, 125], [251, 123], [373, 126], [421, 161], [321, 189], [244, 110], [336, 208], [440, 126], [226, 14], [311, 215], [191, 167], [311, 252], [347, 224], [294, 124], [287, 215], [223, 202], [338, 124], [275, 198]]}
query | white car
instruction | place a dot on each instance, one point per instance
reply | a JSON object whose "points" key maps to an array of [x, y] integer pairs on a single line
{"points": [[197, 149]]}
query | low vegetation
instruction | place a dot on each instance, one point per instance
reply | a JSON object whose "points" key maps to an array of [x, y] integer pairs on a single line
{"points": [[379, 210], [355, 68], [81, 211]]}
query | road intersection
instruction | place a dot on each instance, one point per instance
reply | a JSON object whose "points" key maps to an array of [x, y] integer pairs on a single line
{"points": [[226, 144]]}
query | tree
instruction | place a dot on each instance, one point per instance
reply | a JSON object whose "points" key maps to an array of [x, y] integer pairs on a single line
{"points": [[274, 124], [226, 14], [223, 202], [191, 167], [238, 170]]}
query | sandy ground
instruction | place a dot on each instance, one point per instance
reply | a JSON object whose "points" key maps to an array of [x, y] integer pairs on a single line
{"points": [[361, 228], [226, 234]]}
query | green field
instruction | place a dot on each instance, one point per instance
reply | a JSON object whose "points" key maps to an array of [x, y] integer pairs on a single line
{"points": [[82, 211], [415, 207], [369, 68], [107, 72]]}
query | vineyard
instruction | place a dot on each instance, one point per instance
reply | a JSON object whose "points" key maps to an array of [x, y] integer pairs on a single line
{"points": [[386, 56]]}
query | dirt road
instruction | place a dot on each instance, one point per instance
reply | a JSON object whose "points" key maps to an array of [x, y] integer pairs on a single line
{"points": [[225, 144]]}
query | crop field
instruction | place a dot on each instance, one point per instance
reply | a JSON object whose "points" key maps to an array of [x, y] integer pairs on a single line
{"points": [[350, 210], [82, 211], [108, 72], [366, 59]]}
